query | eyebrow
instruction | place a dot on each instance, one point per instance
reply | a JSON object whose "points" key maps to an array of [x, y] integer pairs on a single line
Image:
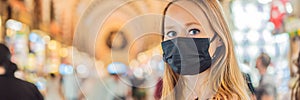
{"points": [[192, 23], [187, 24], [169, 27]]}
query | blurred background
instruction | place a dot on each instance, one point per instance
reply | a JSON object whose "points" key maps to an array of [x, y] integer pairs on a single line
{"points": [[66, 47]]}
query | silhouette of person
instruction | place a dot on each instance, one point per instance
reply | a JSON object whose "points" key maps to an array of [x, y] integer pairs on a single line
{"points": [[12, 88]]}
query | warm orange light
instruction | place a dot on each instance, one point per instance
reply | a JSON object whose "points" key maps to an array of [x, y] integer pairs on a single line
{"points": [[63, 52], [52, 45]]}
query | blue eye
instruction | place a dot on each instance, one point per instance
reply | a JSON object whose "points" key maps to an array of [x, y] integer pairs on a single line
{"points": [[194, 31], [171, 34]]}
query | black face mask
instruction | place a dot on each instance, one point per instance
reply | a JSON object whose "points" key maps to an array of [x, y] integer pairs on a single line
{"points": [[187, 56]]}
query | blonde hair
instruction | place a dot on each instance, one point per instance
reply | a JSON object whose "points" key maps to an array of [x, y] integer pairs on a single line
{"points": [[225, 78]]}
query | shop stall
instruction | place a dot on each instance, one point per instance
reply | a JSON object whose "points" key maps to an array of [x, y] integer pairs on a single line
{"points": [[258, 27]]}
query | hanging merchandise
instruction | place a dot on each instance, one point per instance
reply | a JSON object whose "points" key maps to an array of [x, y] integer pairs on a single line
{"points": [[292, 26], [278, 12], [294, 33]]}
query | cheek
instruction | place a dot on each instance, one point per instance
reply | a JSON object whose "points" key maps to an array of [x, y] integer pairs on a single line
{"points": [[166, 38]]}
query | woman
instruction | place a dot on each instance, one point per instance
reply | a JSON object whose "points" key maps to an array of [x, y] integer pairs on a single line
{"points": [[199, 55]]}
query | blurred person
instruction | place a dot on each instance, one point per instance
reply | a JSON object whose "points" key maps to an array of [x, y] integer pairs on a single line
{"points": [[12, 88], [198, 51], [53, 88], [90, 87], [111, 87], [120, 89], [116, 84], [246, 70], [250, 86], [70, 87], [266, 89], [295, 82], [137, 92], [158, 89]]}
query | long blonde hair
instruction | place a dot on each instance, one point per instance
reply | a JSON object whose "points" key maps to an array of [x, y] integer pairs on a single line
{"points": [[225, 78]]}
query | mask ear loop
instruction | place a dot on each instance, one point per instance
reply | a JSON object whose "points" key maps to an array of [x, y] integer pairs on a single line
{"points": [[213, 38], [218, 49]]}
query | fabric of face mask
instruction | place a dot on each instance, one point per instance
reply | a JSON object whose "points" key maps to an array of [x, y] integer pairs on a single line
{"points": [[187, 56]]}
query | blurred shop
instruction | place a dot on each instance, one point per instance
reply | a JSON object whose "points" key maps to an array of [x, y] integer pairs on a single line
{"points": [[39, 36], [268, 26], [43, 38]]}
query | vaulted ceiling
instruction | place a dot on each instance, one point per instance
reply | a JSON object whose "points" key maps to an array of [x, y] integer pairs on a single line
{"points": [[117, 31]]}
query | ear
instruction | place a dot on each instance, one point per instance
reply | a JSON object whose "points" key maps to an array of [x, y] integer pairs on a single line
{"points": [[2, 70]]}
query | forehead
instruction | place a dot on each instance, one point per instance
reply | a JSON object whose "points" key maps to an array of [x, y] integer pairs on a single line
{"points": [[258, 60], [183, 12]]}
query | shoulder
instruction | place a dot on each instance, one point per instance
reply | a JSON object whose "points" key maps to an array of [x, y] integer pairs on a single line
{"points": [[25, 83], [31, 87]]}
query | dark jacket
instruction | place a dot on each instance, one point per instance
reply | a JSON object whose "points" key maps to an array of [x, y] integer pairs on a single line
{"points": [[12, 88]]}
